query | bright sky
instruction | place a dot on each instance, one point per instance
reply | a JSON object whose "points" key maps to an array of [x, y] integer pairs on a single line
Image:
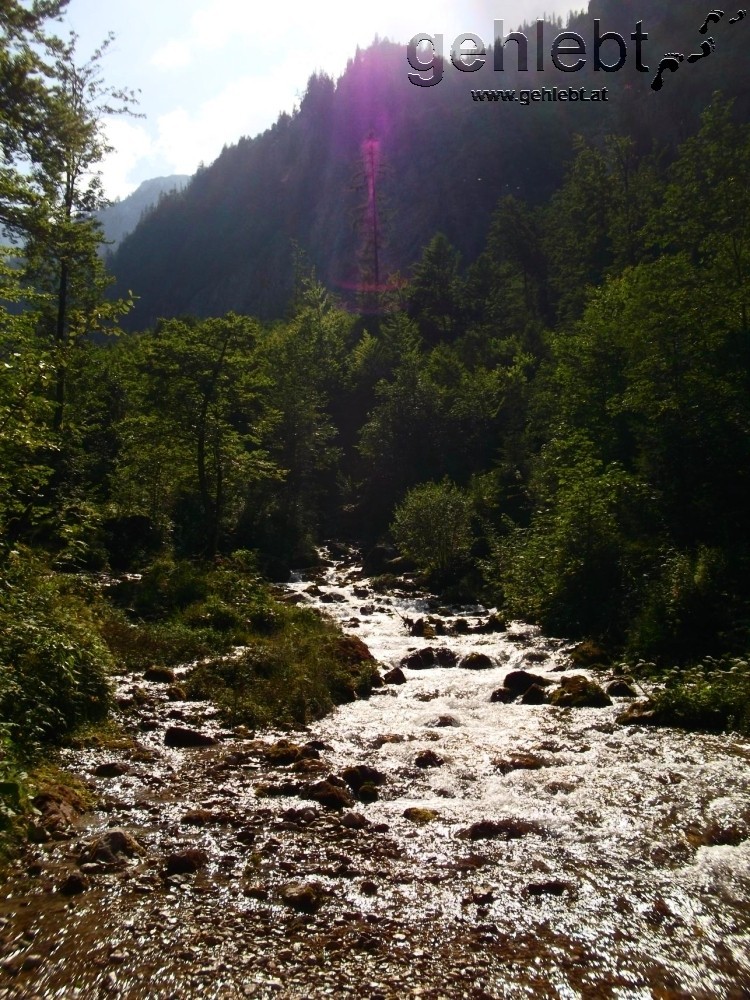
{"points": [[211, 71]]}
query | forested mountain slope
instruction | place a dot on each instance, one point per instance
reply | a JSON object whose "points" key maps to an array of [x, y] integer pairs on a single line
{"points": [[442, 162]]}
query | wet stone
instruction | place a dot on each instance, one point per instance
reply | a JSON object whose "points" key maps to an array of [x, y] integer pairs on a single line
{"points": [[395, 676], [519, 681], [420, 816], [444, 722], [329, 794], [354, 821], [186, 862], [477, 661], [504, 829], [109, 846], [111, 769], [503, 696], [362, 774], [184, 738], [161, 675], [428, 758], [421, 659], [535, 695], [579, 692], [621, 688], [73, 885], [306, 897], [519, 762]]}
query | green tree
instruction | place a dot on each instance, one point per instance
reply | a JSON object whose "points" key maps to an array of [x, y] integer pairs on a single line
{"points": [[62, 235], [432, 526], [191, 442]]}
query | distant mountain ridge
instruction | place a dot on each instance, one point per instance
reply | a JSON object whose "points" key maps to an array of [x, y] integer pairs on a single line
{"points": [[121, 217], [441, 162]]}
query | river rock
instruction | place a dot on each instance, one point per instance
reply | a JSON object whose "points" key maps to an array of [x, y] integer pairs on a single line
{"points": [[519, 681], [503, 695], [503, 829], [422, 659], [428, 758], [186, 862], [354, 821], [420, 816], [306, 897], [535, 695], [579, 692], [362, 774], [329, 794], [588, 654], [621, 688], [446, 657], [197, 817], [111, 769], [162, 675], [184, 738], [395, 676], [109, 845], [640, 713], [477, 661], [444, 722], [368, 793], [73, 885], [284, 752], [493, 624], [535, 656], [519, 762]]}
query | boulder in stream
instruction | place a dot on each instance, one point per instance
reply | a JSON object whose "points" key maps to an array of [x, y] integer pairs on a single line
{"points": [[110, 845], [73, 885], [535, 695], [428, 758], [640, 713], [395, 676], [112, 769], [421, 659], [161, 675], [519, 681], [621, 688], [420, 816], [477, 661], [579, 692], [501, 829], [183, 738], [503, 695], [329, 794], [362, 774], [186, 862], [306, 897]]}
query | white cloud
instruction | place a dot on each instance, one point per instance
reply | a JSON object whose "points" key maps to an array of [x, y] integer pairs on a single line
{"points": [[132, 144], [173, 55]]}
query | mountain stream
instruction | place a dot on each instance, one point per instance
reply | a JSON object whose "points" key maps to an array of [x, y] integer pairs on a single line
{"points": [[513, 850]]}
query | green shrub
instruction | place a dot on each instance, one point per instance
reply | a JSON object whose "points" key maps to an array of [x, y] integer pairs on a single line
{"points": [[54, 664], [432, 526], [713, 697], [297, 673]]}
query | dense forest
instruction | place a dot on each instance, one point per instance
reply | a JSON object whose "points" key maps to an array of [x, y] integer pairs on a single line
{"points": [[531, 379]]}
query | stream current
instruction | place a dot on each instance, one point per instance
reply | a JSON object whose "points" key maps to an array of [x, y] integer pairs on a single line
{"points": [[543, 852]]}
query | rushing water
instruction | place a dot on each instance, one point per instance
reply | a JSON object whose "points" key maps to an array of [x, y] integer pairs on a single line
{"points": [[624, 870]]}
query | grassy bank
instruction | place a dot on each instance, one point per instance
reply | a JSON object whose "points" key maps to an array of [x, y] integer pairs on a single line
{"points": [[62, 637]]}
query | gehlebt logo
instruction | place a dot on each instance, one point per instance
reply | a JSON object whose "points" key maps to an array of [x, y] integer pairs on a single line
{"points": [[568, 51]]}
